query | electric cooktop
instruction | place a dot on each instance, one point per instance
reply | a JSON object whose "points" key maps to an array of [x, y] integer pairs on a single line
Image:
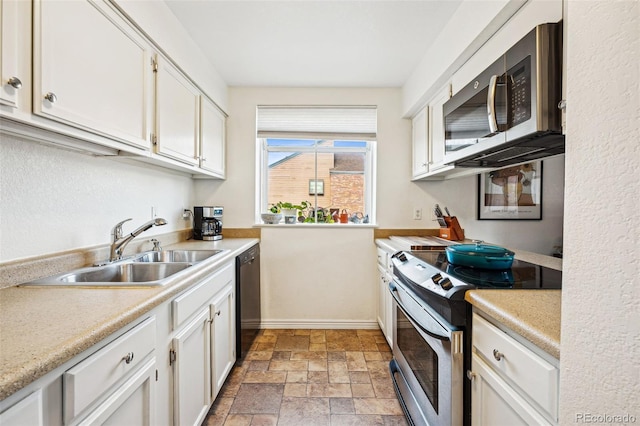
{"points": [[522, 275]]}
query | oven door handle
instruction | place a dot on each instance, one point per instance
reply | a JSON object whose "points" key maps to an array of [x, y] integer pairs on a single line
{"points": [[433, 334]]}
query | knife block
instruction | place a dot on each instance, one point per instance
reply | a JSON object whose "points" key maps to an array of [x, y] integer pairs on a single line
{"points": [[453, 231]]}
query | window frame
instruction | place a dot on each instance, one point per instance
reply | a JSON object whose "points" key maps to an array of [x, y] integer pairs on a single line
{"points": [[262, 169]]}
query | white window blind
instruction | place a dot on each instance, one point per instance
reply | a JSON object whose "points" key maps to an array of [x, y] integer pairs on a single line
{"points": [[328, 122]]}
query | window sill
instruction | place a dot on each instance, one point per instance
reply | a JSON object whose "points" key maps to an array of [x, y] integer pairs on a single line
{"points": [[316, 225]]}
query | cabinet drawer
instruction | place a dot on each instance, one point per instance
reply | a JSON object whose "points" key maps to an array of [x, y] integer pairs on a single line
{"points": [[535, 377], [89, 379], [185, 305], [382, 258]]}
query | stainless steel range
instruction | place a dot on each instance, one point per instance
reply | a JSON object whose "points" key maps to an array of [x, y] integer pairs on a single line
{"points": [[431, 350]]}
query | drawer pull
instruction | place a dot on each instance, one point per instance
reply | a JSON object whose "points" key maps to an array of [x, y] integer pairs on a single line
{"points": [[471, 375], [497, 355], [128, 358]]}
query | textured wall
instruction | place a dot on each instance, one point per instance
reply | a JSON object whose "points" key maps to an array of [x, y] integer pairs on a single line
{"points": [[600, 348], [53, 200]]}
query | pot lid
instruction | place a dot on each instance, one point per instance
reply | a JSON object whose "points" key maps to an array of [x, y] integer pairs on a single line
{"points": [[479, 249]]}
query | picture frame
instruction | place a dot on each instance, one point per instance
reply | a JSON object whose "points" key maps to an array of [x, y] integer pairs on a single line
{"points": [[511, 193], [316, 186]]}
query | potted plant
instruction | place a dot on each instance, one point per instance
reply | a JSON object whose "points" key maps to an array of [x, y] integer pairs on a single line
{"points": [[289, 209]]}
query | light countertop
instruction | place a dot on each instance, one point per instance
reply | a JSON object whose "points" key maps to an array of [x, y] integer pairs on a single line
{"points": [[533, 314], [41, 328]]}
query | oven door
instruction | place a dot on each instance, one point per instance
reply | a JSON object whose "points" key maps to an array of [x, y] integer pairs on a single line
{"points": [[428, 365]]}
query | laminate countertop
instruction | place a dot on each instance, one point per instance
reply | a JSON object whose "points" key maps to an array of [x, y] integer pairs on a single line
{"points": [[533, 314], [41, 328]]}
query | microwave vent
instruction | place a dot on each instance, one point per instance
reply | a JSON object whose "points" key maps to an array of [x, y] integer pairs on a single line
{"points": [[530, 148]]}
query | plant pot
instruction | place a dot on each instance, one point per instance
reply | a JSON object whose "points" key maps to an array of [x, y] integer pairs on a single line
{"points": [[289, 214]]}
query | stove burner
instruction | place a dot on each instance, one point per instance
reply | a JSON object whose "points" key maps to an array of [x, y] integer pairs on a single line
{"points": [[482, 277]]}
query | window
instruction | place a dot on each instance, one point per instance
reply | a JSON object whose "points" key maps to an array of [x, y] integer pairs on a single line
{"points": [[325, 165]]}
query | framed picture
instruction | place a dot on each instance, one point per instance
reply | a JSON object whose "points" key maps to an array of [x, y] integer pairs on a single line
{"points": [[512, 193], [316, 186]]}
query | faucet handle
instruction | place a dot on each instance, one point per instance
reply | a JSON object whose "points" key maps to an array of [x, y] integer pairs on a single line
{"points": [[156, 245], [116, 232]]}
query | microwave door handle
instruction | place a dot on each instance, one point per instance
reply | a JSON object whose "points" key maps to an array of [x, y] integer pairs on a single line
{"points": [[491, 104]]}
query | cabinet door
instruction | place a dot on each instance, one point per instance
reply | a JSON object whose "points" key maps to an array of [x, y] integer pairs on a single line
{"points": [[382, 310], [27, 411], [495, 403], [12, 80], [419, 139], [212, 138], [191, 371], [91, 70], [177, 114], [436, 129], [223, 337], [133, 403]]}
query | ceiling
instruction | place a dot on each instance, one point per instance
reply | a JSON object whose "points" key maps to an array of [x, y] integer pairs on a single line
{"points": [[310, 43]]}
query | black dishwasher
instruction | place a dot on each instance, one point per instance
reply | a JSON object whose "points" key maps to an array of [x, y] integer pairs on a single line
{"points": [[247, 299]]}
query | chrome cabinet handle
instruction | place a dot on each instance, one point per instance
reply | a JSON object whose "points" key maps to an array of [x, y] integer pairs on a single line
{"points": [[51, 97], [15, 82], [218, 312], [203, 159], [497, 355], [128, 358], [471, 375]]}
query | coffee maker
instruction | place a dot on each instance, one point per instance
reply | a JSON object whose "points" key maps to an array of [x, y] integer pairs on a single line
{"points": [[207, 223]]}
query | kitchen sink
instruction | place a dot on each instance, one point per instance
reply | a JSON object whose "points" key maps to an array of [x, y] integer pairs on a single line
{"points": [[191, 256], [142, 270], [116, 274]]}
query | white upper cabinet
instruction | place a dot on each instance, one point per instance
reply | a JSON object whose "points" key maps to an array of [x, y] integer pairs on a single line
{"points": [[212, 138], [91, 70], [177, 114], [80, 74], [420, 127], [12, 78], [436, 129]]}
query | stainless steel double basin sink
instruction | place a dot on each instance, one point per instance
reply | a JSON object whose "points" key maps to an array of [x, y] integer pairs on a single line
{"points": [[148, 269]]}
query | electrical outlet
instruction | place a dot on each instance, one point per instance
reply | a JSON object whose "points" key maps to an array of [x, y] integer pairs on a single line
{"points": [[417, 213], [186, 213]]}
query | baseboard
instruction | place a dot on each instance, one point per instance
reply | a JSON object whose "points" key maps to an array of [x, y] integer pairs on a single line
{"points": [[320, 324]]}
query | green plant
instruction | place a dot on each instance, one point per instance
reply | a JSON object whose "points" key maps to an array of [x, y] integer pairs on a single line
{"points": [[277, 207]]}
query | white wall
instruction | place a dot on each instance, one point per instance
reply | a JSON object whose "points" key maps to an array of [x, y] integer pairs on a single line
{"points": [[53, 200], [600, 348]]}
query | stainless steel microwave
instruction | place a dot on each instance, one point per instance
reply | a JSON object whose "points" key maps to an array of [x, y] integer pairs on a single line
{"points": [[510, 113]]}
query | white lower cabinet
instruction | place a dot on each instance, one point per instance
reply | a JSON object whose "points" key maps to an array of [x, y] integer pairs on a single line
{"points": [[27, 411], [114, 381], [203, 347], [385, 311], [510, 383], [165, 368], [132, 403], [192, 370], [222, 337]]}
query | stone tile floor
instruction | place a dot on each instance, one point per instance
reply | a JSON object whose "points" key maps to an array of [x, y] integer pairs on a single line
{"points": [[309, 378]]}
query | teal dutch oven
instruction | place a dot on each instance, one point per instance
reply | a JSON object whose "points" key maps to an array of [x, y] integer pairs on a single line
{"points": [[482, 256]]}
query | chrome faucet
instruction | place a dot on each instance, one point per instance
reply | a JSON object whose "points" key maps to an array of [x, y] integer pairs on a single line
{"points": [[118, 242]]}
